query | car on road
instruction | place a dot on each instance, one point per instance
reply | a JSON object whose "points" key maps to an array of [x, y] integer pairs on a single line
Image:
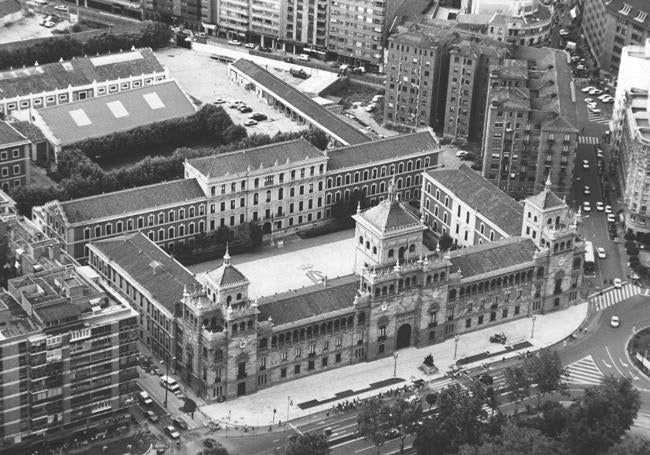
{"points": [[586, 206], [564, 32], [615, 321], [180, 423], [171, 431], [600, 206], [587, 89], [587, 190], [249, 45], [144, 398], [600, 154], [595, 91], [601, 253], [250, 123], [618, 283], [234, 42], [585, 164], [608, 209], [611, 218], [461, 153], [152, 416], [61, 8], [257, 116]]}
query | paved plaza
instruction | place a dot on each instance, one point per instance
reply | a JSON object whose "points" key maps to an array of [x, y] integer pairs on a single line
{"points": [[257, 409]]}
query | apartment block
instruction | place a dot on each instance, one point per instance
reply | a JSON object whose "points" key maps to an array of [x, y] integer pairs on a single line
{"points": [[68, 357], [467, 85], [610, 25], [530, 129], [306, 24], [15, 159]]}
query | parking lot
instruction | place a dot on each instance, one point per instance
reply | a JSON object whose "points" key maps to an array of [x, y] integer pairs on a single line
{"points": [[206, 80], [29, 28]]}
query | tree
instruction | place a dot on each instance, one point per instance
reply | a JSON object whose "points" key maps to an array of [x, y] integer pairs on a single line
{"points": [[518, 383], [373, 420], [631, 445], [445, 242], [546, 370], [553, 419], [217, 450], [515, 440], [603, 416], [431, 398], [309, 444], [404, 416]]}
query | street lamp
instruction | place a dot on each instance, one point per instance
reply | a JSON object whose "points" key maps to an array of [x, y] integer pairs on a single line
{"points": [[456, 338], [286, 423], [166, 386], [395, 355], [532, 332]]}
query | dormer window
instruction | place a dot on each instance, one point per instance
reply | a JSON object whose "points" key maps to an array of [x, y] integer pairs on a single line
{"points": [[626, 9]]}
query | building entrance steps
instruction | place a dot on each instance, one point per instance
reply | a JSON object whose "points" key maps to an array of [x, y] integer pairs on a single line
{"points": [[333, 386]]}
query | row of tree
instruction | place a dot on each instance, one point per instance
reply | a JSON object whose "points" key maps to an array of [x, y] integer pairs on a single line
{"points": [[150, 34], [78, 175]]}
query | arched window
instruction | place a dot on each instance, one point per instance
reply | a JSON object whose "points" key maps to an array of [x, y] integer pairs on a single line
{"points": [[407, 282], [250, 324], [229, 299], [295, 336], [281, 338], [218, 355], [452, 294], [428, 279], [360, 240], [350, 321], [374, 250], [391, 253], [435, 277], [367, 245], [302, 334], [242, 326], [412, 248], [234, 328], [377, 292], [540, 272], [239, 296], [384, 290], [442, 276]]}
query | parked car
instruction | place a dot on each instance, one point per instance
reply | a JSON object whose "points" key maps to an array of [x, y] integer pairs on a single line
{"points": [[618, 283], [219, 101], [611, 218], [498, 338], [49, 24], [209, 443], [250, 123], [234, 42], [299, 73], [461, 153], [589, 100], [171, 431], [288, 59], [586, 206], [144, 398], [249, 45], [600, 206], [587, 89], [593, 110], [245, 109], [335, 64], [262, 49], [587, 190], [180, 423], [564, 32], [257, 116], [303, 57], [608, 209], [61, 8], [371, 107], [486, 379], [601, 253], [152, 416]]}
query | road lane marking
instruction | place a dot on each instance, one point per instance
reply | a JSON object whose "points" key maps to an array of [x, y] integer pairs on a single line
{"points": [[364, 449], [613, 363], [623, 363], [347, 442]]}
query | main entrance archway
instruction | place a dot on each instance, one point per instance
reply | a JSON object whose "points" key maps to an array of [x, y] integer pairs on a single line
{"points": [[266, 228], [403, 336]]}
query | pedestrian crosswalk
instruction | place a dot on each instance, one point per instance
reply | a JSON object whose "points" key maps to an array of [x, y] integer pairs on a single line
{"points": [[597, 118], [583, 371], [613, 295], [593, 140]]}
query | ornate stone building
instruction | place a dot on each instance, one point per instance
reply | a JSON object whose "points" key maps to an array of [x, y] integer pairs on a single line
{"points": [[401, 294]]}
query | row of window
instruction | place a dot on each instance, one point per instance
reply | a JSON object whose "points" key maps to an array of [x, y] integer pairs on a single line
{"points": [[374, 173], [269, 197], [4, 154], [268, 180]]}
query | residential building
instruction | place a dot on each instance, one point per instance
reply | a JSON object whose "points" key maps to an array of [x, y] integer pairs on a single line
{"points": [[15, 162], [293, 103], [279, 186], [416, 71], [306, 26], [69, 357], [396, 295], [467, 207], [51, 84], [467, 86], [169, 213], [610, 25], [358, 30], [530, 129], [367, 169], [67, 124]]}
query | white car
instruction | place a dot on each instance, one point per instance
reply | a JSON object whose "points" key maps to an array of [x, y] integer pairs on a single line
{"points": [[585, 164], [171, 431], [600, 206], [608, 99], [587, 190], [594, 110], [608, 209], [611, 218], [618, 283], [587, 89], [461, 153], [601, 253], [249, 45], [234, 42], [614, 321], [563, 32], [589, 100], [586, 206], [250, 123], [371, 107], [49, 24], [61, 8]]}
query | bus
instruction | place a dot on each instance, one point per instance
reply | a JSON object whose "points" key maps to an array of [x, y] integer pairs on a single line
{"points": [[590, 260]]}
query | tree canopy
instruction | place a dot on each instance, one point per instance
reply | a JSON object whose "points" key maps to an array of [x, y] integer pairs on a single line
{"points": [[373, 421], [312, 443]]}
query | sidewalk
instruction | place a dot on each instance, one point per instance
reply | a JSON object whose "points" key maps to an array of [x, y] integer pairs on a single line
{"points": [[257, 409]]}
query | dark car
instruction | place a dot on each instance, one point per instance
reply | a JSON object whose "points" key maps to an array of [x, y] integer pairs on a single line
{"points": [[245, 109], [180, 423], [258, 116], [486, 379], [498, 338], [288, 59]]}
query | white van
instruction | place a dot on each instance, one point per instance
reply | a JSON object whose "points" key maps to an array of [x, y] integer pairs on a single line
{"points": [[169, 383], [144, 398], [304, 57]]}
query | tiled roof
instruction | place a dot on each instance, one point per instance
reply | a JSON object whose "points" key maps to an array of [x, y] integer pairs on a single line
{"points": [[546, 200], [76, 72], [150, 266], [480, 194], [9, 135], [388, 215], [122, 111], [492, 256], [247, 160], [131, 200], [316, 300], [226, 274], [9, 7], [31, 132], [301, 102], [631, 10], [381, 150]]}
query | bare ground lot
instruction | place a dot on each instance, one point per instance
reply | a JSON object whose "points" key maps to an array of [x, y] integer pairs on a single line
{"points": [[207, 80], [29, 28]]}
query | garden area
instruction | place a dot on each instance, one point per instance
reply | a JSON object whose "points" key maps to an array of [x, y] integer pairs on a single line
{"points": [[637, 248]]}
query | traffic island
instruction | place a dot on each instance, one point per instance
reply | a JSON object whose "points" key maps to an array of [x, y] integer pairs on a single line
{"points": [[638, 349]]}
